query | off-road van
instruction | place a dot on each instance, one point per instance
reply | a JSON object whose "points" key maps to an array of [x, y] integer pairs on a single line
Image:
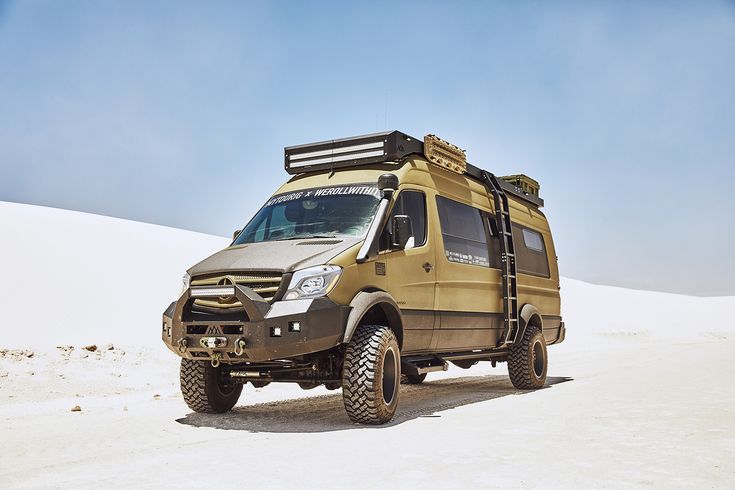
{"points": [[382, 259]]}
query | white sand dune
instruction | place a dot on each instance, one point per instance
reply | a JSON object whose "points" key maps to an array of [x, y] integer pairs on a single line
{"points": [[74, 277], [640, 393]]}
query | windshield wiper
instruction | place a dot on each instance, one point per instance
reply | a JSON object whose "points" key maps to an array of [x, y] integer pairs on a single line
{"points": [[301, 237]]}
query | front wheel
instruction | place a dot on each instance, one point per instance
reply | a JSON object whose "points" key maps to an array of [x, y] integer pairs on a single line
{"points": [[528, 360], [371, 375], [207, 389]]}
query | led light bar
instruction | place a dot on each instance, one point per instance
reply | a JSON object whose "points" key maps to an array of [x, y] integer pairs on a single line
{"points": [[209, 292], [337, 154], [348, 152]]}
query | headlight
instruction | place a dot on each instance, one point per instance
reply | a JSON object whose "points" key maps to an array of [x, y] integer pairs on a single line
{"points": [[185, 282], [313, 282]]}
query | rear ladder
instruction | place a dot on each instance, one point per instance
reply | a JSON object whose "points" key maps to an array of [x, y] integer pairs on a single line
{"points": [[507, 259]]}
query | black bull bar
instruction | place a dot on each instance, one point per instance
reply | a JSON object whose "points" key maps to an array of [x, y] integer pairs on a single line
{"points": [[282, 330]]}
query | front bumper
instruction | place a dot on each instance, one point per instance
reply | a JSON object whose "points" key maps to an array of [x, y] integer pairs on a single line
{"points": [[321, 324]]}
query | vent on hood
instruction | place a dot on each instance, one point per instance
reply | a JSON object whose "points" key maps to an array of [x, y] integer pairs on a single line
{"points": [[320, 242]]}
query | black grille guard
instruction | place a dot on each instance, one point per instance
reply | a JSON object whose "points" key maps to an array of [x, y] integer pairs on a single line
{"points": [[255, 306]]}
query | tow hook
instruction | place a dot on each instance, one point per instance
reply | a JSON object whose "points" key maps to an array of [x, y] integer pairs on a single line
{"points": [[240, 347], [216, 356], [183, 344]]}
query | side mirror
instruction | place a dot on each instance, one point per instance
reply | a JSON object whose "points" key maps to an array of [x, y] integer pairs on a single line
{"points": [[235, 233], [401, 231]]}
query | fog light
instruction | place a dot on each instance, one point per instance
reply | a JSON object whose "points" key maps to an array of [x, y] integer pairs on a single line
{"points": [[276, 331], [294, 326]]}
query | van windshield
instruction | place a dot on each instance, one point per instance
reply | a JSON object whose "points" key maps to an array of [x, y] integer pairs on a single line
{"points": [[323, 212]]}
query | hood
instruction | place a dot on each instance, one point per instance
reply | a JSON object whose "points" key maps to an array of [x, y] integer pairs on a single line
{"points": [[282, 256]]}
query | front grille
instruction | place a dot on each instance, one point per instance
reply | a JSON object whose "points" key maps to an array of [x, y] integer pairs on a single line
{"points": [[266, 284]]}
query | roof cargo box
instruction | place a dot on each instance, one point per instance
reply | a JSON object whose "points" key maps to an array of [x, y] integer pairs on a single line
{"points": [[525, 183]]}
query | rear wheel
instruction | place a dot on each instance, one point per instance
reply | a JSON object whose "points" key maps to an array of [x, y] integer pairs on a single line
{"points": [[371, 375], [207, 389], [528, 361]]}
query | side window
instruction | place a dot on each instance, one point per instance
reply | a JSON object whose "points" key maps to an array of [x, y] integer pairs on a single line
{"points": [[530, 251], [492, 227], [413, 204], [533, 240], [463, 231]]}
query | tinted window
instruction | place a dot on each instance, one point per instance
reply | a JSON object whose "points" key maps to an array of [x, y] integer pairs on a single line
{"points": [[413, 204], [530, 251], [492, 227], [325, 211], [465, 239], [533, 240]]}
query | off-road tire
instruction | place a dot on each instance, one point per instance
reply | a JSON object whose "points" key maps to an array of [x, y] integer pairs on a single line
{"points": [[371, 375], [528, 360], [205, 390], [412, 379]]}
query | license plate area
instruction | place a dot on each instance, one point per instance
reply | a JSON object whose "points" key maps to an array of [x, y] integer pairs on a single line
{"points": [[213, 342]]}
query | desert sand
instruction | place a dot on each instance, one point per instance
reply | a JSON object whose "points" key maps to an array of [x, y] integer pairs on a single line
{"points": [[639, 395]]}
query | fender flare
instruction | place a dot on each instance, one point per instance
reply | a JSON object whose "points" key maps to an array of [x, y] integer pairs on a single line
{"points": [[528, 311], [363, 302]]}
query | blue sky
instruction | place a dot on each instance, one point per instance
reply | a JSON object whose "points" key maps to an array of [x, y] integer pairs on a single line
{"points": [[177, 113]]}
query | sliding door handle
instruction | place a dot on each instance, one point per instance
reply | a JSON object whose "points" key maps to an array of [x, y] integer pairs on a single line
{"points": [[427, 266]]}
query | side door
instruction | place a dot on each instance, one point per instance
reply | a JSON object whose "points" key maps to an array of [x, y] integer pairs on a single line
{"points": [[468, 279], [411, 273]]}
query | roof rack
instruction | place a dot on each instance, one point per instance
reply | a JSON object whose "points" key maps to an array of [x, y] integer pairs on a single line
{"points": [[393, 146]]}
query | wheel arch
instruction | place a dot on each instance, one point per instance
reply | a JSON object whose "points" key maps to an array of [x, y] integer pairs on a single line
{"points": [[529, 315], [374, 307]]}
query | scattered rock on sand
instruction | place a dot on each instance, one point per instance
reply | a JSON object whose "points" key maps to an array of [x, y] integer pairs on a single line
{"points": [[90, 348], [156, 396], [76, 408], [65, 351], [17, 354], [110, 347]]}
